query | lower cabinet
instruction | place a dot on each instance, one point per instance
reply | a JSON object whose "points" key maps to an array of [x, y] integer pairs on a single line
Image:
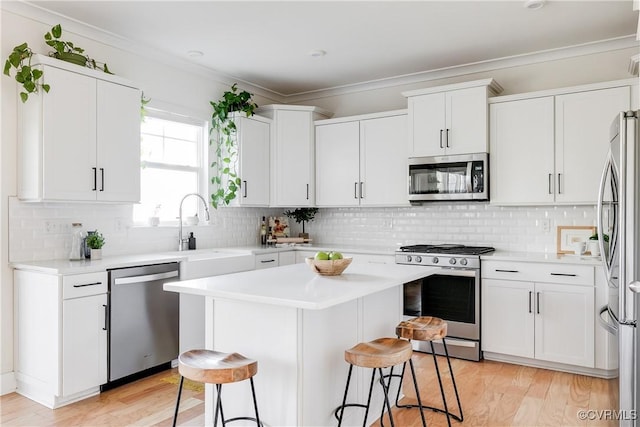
{"points": [[539, 311], [61, 328]]}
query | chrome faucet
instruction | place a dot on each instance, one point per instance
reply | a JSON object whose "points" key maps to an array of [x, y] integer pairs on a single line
{"points": [[182, 241]]}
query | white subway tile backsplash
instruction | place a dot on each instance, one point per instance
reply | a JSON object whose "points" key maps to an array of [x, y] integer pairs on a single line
{"points": [[43, 230]]}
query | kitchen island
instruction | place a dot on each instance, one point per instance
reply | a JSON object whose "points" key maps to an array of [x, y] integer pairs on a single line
{"points": [[297, 324]]}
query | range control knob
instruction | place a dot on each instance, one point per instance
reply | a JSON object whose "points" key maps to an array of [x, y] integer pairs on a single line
{"points": [[408, 258], [452, 261], [418, 259], [463, 261], [435, 260]]}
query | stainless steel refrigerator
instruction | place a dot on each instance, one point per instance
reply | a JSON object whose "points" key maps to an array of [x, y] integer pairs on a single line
{"points": [[619, 217]]}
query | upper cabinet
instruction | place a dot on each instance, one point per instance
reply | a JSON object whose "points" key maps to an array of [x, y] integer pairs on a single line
{"points": [[450, 119], [362, 161], [80, 141], [292, 153], [253, 155], [550, 147]]}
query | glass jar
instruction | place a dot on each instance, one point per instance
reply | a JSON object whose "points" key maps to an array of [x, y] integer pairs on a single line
{"points": [[77, 242]]}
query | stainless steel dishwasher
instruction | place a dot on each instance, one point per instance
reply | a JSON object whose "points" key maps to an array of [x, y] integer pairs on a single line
{"points": [[143, 322]]}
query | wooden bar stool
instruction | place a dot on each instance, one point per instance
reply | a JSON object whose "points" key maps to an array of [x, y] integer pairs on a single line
{"points": [[427, 328], [213, 367], [378, 354]]}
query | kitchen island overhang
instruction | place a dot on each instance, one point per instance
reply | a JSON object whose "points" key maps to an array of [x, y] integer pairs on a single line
{"points": [[297, 325]]}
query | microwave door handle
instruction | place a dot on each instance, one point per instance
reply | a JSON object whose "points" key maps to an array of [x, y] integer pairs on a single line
{"points": [[469, 179]]}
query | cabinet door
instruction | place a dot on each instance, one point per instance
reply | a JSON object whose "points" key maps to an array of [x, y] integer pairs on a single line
{"points": [[68, 136], [118, 136], [84, 343], [337, 174], [583, 121], [293, 160], [253, 152], [383, 161], [507, 317], [267, 261], [426, 125], [522, 151], [466, 121], [564, 323]]}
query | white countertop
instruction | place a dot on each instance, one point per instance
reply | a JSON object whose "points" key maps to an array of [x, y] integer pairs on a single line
{"points": [[541, 257], [297, 286]]}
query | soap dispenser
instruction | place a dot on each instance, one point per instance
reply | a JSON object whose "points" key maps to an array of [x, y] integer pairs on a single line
{"points": [[192, 241]]}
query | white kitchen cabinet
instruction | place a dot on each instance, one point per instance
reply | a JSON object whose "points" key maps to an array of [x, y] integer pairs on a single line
{"points": [[548, 147], [80, 141], [253, 155], [539, 311], [268, 260], [449, 120], [61, 325], [352, 152], [292, 153], [286, 258]]}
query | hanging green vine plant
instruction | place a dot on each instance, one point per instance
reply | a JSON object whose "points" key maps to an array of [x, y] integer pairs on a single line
{"points": [[224, 178]]}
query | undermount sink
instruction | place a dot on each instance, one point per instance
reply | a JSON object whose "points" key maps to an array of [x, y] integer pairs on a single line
{"points": [[213, 262]]}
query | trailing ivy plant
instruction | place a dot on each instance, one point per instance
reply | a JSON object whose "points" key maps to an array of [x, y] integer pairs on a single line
{"points": [[61, 47], [28, 77], [225, 180]]}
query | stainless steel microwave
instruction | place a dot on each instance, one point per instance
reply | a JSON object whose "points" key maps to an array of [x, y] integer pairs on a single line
{"points": [[459, 177]]}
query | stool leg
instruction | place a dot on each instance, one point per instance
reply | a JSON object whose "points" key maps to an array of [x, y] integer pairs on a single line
{"points": [[366, 412], [453, 380], [386, 403], [218, 406], [444, 399], [344, 399], [415, 385], [175, 414], [255, 402], [404, 365]]}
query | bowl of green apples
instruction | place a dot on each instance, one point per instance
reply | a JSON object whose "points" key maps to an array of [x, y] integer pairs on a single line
{"points": [[330, 263]]}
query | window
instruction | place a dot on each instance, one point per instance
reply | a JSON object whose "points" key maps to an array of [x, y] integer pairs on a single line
{"points": [[172, 166]]}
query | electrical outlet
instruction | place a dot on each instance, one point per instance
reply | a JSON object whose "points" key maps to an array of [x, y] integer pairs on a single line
{"points": [[545, 224]]}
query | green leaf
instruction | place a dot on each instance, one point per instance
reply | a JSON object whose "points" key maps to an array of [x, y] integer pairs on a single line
{"points": [[37, 74], [56, 31], [46, 87], [24, 96], [7, 67]]}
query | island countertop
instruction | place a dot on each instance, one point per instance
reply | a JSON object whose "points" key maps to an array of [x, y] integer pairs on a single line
{"points": [[297, 286]]}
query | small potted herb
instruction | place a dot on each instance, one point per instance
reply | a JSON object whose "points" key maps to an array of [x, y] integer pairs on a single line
{"points": [[95, 241], [302, 215]]}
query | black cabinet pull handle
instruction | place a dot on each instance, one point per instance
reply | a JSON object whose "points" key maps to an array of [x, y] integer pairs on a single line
{"points": [[106, 315], [355, 190], [245, 189], [530, 294], [550, 183], [559, 186], [563, 274], [538, 302], [441, 130], [307, 191], [447, 145], [506, 271], [95, 179], [102, 179], [265, 261], [87, 284], [361, 190]]}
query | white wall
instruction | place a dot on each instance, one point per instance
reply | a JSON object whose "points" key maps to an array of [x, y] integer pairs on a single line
{"points": [[23, 229]]}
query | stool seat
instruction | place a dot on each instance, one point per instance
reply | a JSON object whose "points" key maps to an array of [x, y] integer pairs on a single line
{"points": [[379, 353], [425, 328], [214, 367]]}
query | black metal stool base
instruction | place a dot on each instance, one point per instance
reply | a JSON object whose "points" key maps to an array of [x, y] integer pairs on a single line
{"points": [[446, 411], [219, 407]]}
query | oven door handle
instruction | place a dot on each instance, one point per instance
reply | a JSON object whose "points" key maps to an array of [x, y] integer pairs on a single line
{"points": [[460, 272]]}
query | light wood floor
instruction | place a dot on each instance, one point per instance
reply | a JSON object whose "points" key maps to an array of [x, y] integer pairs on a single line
{"points": [[492, 393]]}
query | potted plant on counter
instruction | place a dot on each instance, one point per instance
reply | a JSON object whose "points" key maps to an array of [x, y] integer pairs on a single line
{"points": [[593, 245], [95, 241], [302, 215]]}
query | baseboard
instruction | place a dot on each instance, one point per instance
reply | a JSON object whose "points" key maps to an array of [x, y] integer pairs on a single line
{"points": [[593, 372], [7, 383]]}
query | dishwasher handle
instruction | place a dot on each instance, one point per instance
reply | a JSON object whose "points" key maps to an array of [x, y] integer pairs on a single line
{"points": [[145, 278]]}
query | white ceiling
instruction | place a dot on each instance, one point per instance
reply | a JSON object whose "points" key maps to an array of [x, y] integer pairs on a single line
{"points": [[267, 43]]}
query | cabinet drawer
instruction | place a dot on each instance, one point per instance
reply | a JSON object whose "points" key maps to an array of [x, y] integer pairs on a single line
{"points": [[266, 260], [539, 272], [81, 285]]}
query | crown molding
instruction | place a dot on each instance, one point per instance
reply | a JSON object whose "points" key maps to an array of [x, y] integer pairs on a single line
{"points": [[47, 17]]}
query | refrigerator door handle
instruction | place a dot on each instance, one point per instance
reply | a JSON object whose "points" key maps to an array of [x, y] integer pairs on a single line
{"points": [[609, 327], [600, 216], [635, 286]]}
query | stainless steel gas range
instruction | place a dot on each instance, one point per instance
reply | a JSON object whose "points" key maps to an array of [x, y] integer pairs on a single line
{"points": [[452, 294]]}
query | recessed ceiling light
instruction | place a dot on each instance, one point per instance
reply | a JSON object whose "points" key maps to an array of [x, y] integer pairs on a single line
{"points": [[534, 4], [195, 53], [317, 53]]}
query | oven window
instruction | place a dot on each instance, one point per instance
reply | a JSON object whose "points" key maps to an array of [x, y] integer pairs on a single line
{"points": [[413, 298], [449, 297]]}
